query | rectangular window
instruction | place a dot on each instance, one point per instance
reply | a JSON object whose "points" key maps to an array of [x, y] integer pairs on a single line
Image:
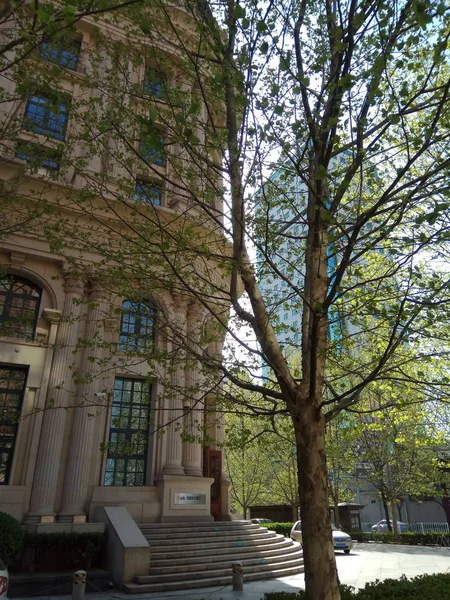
{"points": [[154, 83], [151, 148], [294, 324], [12, 387], [64, 52], [148, 192], [38, 156], [128, 433], [286, 316], [137, 326], [46, 115]]}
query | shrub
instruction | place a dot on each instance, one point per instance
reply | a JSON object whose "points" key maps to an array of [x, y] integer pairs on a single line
{"points": [[11, 538], [282, 528], [53, 551], [425, 587], [412, 538]]}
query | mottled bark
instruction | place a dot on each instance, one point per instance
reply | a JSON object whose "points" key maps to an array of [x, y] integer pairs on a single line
{"points": [[321, 580]]}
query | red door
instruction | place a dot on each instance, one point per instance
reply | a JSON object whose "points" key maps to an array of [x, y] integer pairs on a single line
{"points": [[213, 469]]}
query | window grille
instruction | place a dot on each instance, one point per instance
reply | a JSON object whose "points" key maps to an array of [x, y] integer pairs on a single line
{"points": [[19, 307], [12, 386], [128, 433], [137, 326], [46, 115]]}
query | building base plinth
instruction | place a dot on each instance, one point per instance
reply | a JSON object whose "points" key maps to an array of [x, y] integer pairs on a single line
{"points": [[185, 498]]}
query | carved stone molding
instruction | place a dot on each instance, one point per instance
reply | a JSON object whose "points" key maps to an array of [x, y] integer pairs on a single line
{"points": [[52, 315], [17, 260], [73, 284]]}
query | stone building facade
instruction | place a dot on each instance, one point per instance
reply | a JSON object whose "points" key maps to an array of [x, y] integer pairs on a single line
{"points": [[82, 428]]}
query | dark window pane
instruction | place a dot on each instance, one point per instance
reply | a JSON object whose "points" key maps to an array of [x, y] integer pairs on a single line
{"points": [[147, 192], [151, 148], [65, 53], [154, 83], [12, 386], [128, 439], [47, 115], [38, 156], [19, 306], [137, 327]]}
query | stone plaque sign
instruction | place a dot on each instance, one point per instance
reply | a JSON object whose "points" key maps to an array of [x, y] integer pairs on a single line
{"points": [[190, 498]]}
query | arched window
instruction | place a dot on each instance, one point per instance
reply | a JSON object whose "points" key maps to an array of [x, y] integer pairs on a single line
{"points": [[137, 326], [19, 307], [12, 388]]}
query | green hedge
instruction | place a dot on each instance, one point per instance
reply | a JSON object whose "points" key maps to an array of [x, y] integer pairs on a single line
{"points": [[282, 528], [425, 587], [410, 537], [11, 538]]}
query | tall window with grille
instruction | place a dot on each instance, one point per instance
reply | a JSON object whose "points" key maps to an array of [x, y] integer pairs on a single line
{"points": [[128, 433], [137, 326], [19, 307], [12, 387]]}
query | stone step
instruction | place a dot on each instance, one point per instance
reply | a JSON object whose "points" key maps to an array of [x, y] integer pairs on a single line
{"points": [[225, 563], [136, 588], [167, 560], [199, 525], [181, 538], [223, 571], [178, 534], [237, 542]]}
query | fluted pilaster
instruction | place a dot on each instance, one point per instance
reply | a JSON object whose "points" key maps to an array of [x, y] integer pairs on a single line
{"points": [[173, 465], [81, 438], [193, 418], [60, 383]]}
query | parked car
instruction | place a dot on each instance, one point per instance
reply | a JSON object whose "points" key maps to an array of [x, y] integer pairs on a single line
{"points": [[3, 580], [341, 540], [383, 526], [262, 522]]}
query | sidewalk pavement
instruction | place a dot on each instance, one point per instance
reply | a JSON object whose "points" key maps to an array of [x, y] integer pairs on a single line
{"points": [[366, 563]]}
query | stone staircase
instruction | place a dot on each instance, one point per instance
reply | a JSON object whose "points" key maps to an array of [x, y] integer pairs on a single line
{"points": [[195, 555]]}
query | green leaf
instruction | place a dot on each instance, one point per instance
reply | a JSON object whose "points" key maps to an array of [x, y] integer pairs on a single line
{"points": [[239, 12], [261, 26]]}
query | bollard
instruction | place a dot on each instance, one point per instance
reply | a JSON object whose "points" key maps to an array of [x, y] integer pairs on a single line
{"points": [[238, 576], [79, 585]]}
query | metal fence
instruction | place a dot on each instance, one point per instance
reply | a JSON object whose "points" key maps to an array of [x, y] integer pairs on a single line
{"points": [[429, 527], [417, 527]]}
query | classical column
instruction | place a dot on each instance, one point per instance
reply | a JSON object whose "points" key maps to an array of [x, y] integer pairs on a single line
{"points": [[60, 382], [193, 418], [80, 447], [173, 465]]}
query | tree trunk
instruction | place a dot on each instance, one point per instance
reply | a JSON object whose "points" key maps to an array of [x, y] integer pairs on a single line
{"points": [[386, 512], [321, 580], [394, 517], [446, 502], [337, 521]]}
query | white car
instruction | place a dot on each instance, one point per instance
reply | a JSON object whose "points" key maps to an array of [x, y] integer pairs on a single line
{"points": [[262, 522], [341, 540], [383, 526], [3, 580]]}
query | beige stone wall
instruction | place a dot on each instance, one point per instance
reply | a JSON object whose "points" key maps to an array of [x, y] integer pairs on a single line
{"points": [[58, 467]]}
